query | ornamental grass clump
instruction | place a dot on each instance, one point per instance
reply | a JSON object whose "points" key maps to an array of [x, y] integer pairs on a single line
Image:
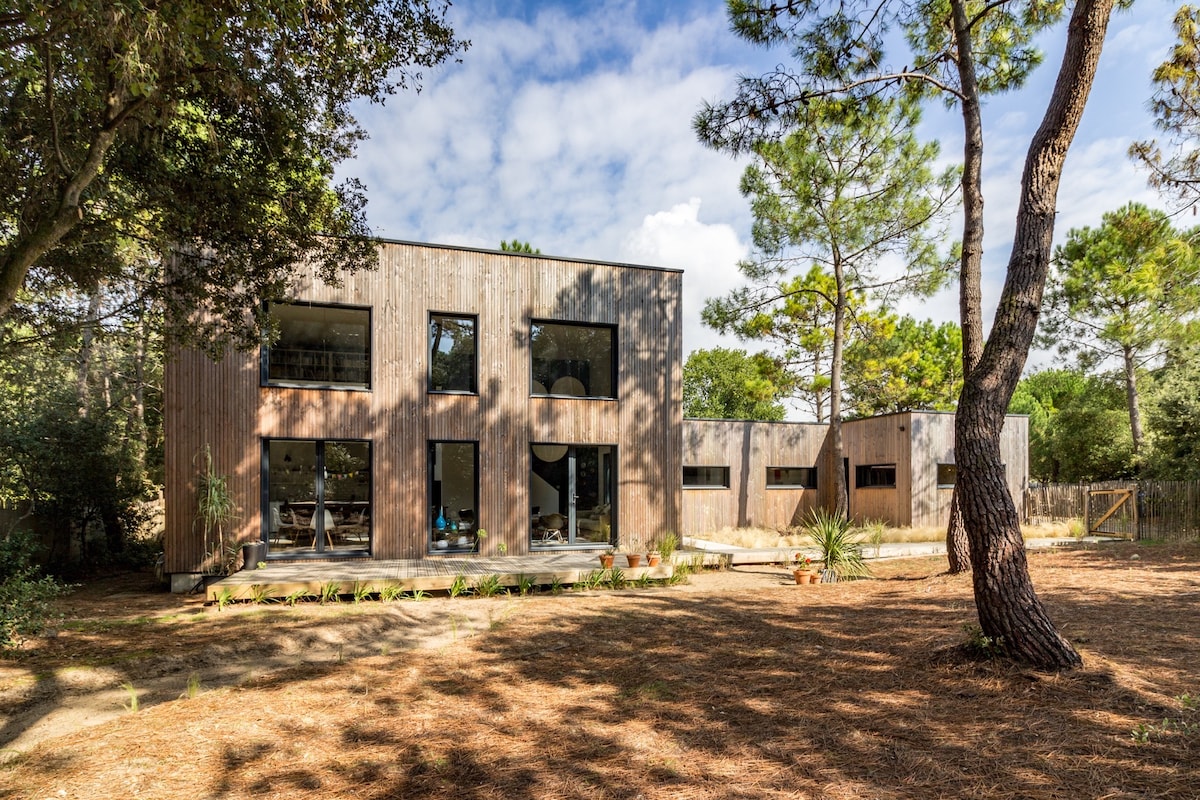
{"points": [[839, 547]]}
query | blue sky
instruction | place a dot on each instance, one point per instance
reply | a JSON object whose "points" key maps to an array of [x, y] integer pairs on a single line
{"points": [[569, 125]]}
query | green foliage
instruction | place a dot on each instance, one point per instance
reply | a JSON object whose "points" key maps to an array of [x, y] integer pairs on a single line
{"points": [[730, 384], [525, 584], [1175, 165], [224, 598], [417, 595], [904, 364], [980, 644], [296, 596], [615, 578], [131, 692], [1186, 724], [1173, 418], [125, 121], [192, 689], [847, 187], [667, 544], [329, 592], [1078, 427], [838, 545], [459, 586], [260, 594], [26, 596], [490, 586], [839, 50], [361, 592], [390, 593], [517, 246], [215, 510], [1124, 291]]}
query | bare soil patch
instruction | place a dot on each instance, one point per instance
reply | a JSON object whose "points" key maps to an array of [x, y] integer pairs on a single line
{"points": [[737, 685]]}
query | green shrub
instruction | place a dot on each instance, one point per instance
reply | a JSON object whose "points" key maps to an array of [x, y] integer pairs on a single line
{"points": [[25, 594], [838, 546]]}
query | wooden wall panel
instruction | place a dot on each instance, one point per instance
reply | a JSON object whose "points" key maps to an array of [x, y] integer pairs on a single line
{"points": [[748, 448], [223, 403], [879, 440]]}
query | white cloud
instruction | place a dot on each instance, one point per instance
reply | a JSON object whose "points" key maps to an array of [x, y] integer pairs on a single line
{"points": [[707, 252]]}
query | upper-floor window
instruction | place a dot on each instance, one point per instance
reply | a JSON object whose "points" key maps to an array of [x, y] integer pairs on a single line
{"points": [[792, 477], [319, 345], [452, 361], [706, 477], [879, 476], [573, 360], [947, 475]]}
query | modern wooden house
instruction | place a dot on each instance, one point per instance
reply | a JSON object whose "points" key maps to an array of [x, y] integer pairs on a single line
{"points": [[449, 391], [455, 391], [899, 468]]}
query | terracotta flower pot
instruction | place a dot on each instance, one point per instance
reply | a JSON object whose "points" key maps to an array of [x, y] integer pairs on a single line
{"points": [[804, 576], [606, 561], [633, 559], [653, 559]]}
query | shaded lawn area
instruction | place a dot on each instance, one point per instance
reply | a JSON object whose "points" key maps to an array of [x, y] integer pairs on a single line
{"points": [[736, 686]]}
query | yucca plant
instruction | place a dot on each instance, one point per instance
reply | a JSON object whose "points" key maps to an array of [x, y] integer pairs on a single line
{"points": [[215, 510], [838, 546]]}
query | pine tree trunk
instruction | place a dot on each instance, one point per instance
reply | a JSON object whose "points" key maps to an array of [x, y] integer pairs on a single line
{"points": [[841, 493], [1009, 609], [1131, 399], [970, 292]]}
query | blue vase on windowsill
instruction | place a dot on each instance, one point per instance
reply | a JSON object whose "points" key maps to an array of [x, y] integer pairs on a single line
{"points": [[440, 523]]}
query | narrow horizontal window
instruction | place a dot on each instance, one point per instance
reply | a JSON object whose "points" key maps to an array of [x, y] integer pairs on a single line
{"points": [[318, 345], [706, 477], [792, 477], [875, 476]]}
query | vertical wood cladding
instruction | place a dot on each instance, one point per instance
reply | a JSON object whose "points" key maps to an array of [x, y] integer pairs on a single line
{"points": [[748, 448], [222, 404], [913, 442]]}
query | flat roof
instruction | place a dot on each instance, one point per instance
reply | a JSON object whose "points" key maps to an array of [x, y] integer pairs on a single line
{"points": [[488, 251]]}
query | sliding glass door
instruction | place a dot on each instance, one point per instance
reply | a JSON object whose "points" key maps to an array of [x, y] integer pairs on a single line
{"points": [[571, 490], [318, 496]]}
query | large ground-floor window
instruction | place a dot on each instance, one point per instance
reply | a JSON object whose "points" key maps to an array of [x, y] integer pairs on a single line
{"points": [[317, 496], [571, 489], [453, 497]]}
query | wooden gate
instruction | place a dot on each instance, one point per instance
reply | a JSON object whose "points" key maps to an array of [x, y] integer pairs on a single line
{"points": [[1112, 512]]}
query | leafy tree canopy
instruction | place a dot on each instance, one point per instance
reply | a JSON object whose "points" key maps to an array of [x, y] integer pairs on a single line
{"points": [[1173, 418], [905, 364], [517, 246], [1174, 164], [1078, 429], [208, 132], [1124, 290], [730, 384]]}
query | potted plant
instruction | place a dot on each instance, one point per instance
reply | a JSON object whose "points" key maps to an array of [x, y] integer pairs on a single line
{"points": [[653, 558], [606, 558], [634, 560], [839, 549], [803, 569]]}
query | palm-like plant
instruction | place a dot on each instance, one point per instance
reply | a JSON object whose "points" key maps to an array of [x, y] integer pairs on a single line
{"points": [[838, 546]]}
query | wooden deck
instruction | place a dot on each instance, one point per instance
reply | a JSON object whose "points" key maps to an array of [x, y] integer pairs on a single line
{"points": [[428, 574]]}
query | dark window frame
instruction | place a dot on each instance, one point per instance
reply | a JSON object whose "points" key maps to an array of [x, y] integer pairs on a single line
{"points": [[474, 318], [319, 552], [875, 476], [430, 454], [613, 366], [941, 483], [725, 471], [265, 378], [808, 481]]}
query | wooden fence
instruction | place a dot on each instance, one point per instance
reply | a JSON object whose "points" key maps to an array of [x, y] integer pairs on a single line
{"points": [[1164, 510]]}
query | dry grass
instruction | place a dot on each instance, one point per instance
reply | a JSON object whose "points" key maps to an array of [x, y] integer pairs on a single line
{"points": [[740, 685], [769, 538]]}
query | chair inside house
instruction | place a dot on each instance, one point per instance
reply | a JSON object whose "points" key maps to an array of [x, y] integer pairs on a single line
{"points": [[550, 529], [353, 529], [280, 529], [329, 526]]}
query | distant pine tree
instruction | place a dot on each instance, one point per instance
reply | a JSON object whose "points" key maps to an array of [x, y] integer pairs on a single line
{"points": [[517, 246]]}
